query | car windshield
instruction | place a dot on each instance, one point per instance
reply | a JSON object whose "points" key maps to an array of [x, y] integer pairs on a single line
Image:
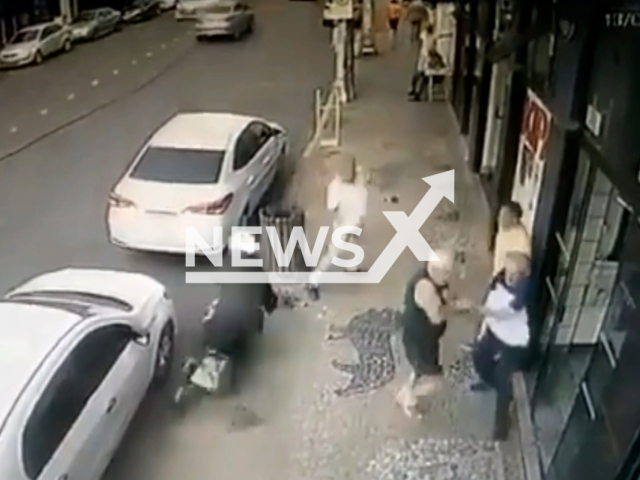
{"points": [[176, 165], [219, 9], [86, 17], [25, 36]]}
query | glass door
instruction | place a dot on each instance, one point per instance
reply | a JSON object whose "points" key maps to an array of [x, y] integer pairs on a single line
{"points": [[580, 291]]}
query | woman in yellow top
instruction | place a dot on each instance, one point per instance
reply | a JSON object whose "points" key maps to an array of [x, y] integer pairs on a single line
{"points": [[394, 13]]}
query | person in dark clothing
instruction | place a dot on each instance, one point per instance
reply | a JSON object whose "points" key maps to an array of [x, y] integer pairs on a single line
{"points": [[502, 345], [237, 315], [427, 305]]}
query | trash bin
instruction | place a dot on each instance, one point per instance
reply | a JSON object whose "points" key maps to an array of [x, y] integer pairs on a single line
{"points": [[283, 217]]}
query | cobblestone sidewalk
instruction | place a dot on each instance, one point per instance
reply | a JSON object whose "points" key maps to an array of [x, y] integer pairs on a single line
{"points": [[355, 419]]}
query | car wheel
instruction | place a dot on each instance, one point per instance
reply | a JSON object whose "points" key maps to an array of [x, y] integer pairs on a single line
{"points": [[164, 354], [67, 45], [237, 35], [37, 59], [201, 38]]}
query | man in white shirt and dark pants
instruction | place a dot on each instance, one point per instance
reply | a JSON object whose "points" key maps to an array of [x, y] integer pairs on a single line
{"points": [[346, 198], [504, 337]]}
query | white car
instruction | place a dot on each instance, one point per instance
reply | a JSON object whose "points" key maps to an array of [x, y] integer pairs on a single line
{"points": [[168, 4], [32, 45], [80, 348], [188, 9], [200, 170]]}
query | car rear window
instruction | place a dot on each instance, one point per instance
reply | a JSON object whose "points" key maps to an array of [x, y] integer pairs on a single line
{"points": [[174, 165], [220, 9]]}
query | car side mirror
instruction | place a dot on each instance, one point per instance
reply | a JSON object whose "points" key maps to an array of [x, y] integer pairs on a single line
{"points": [[142, 339]]}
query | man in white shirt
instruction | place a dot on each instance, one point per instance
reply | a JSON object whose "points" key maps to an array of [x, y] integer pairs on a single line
{"points": [[512, 237], [347, 198]]}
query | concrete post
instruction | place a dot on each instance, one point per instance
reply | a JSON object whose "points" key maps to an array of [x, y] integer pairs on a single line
{"points": [[340, 47], [368, 34]]}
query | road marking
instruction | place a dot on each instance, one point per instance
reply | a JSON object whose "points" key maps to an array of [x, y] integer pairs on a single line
{"points": [[149, 54], [95, 83], [71, 96], [116, 72], [163, 46], [44, 111], [134, 62], [14, 129]]}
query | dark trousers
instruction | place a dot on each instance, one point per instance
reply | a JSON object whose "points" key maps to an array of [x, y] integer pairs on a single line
{"points": [[418, 85], [415, 31], [495, 363]]}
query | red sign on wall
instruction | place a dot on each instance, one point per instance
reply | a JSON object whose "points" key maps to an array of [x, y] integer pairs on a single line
{"points": [[536, 125]]}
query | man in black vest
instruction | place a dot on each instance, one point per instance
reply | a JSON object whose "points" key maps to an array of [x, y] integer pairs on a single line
{"points": [[427, 305]]}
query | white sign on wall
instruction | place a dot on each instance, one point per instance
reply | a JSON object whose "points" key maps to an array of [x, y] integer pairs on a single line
{"points": [[534, 136], [338, 10]]}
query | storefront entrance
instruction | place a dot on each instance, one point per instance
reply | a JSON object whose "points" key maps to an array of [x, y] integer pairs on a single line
{"points": [[585, 332]]}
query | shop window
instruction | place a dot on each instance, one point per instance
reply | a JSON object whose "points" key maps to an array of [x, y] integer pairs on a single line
{"points": [[540, 54]]}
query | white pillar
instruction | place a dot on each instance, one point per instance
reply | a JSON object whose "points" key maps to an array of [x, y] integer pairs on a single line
{"points": [[368, 39], [339, 43]]}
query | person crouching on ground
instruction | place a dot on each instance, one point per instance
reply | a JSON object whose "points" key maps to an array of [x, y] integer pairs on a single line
{"points": [[504, 338], [237, 316], [346, 198], [427, 306]]}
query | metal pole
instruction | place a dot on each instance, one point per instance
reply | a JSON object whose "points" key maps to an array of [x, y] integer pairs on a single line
{"points": [[368, 39], [350, 62], [339, 40]]}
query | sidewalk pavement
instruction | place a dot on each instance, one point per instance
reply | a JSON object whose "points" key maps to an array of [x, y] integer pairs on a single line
{"points": [[401, 142]]}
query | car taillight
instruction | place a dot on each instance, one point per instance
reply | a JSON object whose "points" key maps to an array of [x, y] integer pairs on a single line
{"points": [[119, 201], [212, 208]]}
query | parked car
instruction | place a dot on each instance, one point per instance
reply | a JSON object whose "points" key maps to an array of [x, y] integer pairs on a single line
{"points": [[82, 347], [141, 10], [168, 4], [92, 24], [188, 9], [224, 18], [33, 44], [200, 170]]}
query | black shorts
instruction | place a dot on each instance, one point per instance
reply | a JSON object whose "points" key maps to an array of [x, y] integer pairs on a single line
{"points": [[393, 24]]}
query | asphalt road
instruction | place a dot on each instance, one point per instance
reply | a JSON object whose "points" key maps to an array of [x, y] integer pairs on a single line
{"points": [[53, 193]]}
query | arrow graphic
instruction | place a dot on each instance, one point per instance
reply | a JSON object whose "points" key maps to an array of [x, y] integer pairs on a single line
{"points": [[407, 235]]}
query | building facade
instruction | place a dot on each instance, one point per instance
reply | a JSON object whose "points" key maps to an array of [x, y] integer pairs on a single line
{"points": [[553, 124]]}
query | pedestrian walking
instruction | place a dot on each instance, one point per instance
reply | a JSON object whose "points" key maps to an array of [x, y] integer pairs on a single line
{"points": [[511, 237], [394, 14], [504, 337], [428, 304], [346, 198], [417, 14]]}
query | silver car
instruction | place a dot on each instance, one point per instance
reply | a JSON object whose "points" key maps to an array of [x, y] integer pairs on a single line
{"points": [[93, 24], [228, 18], [188, 9], [33, 44]]}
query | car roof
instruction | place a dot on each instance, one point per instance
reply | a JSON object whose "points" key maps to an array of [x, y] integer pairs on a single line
{"points": [[39, 26], [131, 288], [29, 334], [202, 131]]}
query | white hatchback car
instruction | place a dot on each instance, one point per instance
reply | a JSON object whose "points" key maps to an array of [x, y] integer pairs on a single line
{"points": [[199, 170], [79, 349]]}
